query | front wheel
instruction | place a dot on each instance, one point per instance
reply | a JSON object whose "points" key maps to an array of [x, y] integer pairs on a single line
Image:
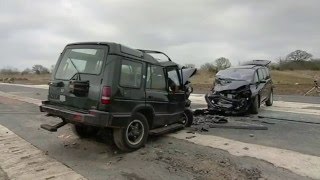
{"points": [[254, 108], [134, 135], [187, 118], [269, 102]]}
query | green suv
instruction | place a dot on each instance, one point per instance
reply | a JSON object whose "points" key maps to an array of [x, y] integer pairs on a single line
{"points": [[102, 85]]}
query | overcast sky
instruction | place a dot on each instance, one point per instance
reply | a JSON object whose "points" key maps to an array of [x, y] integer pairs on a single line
{"points": [[189, 31]]}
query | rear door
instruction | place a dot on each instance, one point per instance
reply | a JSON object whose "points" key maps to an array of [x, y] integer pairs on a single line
{"points": [[130, 88], [77, 78]]}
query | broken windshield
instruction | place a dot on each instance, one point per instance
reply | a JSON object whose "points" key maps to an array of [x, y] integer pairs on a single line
{"points": [[80, 61], [236, 74]]}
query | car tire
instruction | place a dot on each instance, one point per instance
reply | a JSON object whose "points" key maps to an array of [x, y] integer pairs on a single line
{"points": [[187, 118], [84, 131], [269, 102], [254, 108], [134, 135]]}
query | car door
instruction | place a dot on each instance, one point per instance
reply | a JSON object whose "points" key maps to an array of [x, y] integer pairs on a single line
{"points": [[130, 91], [176, 94], [268, 85], [157, 94], [261, 84]]}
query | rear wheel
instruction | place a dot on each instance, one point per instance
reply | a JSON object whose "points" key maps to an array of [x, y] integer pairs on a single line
{"points": [[84, 131], [134, 135], [187, 118], [269, 102], [254, 108]]}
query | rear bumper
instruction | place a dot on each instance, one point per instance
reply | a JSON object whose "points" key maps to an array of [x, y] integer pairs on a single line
{"points": [[92, 117]]}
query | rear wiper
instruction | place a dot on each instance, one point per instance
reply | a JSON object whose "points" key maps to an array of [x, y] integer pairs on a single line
{"points": [[78, 72]]}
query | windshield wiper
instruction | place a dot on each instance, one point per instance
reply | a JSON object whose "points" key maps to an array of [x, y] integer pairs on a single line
{"points": [[78, 72]]}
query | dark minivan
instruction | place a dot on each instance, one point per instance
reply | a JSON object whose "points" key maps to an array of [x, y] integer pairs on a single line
{"points": [[106, 85], [242, 89]]}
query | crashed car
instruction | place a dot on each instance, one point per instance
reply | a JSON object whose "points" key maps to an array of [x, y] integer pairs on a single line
{"points": [[241, 89], [103, 85]]}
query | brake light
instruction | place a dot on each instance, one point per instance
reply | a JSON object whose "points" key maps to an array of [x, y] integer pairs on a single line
{"points": [[106, 94]]}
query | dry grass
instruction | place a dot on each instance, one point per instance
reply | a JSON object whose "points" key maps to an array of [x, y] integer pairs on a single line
{"points": [[28, 78], [286, 82]]}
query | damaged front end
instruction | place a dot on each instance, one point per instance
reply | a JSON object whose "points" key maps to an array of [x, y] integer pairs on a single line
{"points": [[234, 101]]}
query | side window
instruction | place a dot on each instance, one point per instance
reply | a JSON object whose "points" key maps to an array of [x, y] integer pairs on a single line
{"points": [[131, 74], [256, 78], [267, 72], [260, 74], [155, 78], [264, 73], [173, 81]]}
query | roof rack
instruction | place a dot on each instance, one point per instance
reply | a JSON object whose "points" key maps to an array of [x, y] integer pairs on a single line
{"points": [[154, 52]]}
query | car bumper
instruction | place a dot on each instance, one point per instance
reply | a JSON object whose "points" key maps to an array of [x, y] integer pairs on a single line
{"points": [[220, 103], [91, 117]]}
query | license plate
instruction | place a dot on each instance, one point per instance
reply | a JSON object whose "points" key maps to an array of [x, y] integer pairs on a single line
{"points": [[62, 98]]}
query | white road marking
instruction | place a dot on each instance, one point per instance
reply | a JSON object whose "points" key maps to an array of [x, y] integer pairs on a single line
{"points": [[302, 164], [21, 160], [42, 86], [21, 98]]}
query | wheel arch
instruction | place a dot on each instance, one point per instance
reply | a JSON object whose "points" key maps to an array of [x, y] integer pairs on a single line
{"points": [[147, 111]]}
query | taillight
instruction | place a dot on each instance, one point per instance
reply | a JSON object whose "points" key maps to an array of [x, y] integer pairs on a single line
{"points": [[106, 95]]}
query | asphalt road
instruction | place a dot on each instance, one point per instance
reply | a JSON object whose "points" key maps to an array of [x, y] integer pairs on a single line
{"points": [[24, 119]]}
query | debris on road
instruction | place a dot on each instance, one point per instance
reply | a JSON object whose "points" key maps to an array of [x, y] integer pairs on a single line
{"points": [[203, 122]]}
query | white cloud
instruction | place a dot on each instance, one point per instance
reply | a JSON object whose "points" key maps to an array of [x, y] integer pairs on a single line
{"points": [[34, 32]]}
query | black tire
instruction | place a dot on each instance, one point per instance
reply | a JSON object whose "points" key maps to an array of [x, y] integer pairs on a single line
{"points": [[269, 102], [125, 138], [84, 131], [254, 108], [187, 118]]}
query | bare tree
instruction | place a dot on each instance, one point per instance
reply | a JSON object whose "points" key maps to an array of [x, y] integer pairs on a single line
{"points": [[299, 55], [208, 67], [39, 69], [222, 63], [26, 71]]}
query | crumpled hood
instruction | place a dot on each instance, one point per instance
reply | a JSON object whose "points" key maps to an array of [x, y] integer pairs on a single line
{"points": [[187, 74], [230, 86]]}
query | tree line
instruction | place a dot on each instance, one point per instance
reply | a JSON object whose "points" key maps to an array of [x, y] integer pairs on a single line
{"points": [[296, 60], [35, 69]]}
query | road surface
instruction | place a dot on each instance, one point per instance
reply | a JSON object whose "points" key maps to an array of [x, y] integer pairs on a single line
{"points": [[287, 150]]}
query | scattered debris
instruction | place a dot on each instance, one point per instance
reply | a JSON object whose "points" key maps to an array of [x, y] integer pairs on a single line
{"points": [[244, 126], [246, 148], [190, 137]]}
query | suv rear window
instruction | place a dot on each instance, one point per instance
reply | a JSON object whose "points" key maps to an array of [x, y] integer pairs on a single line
{"points": [[83, 61]]}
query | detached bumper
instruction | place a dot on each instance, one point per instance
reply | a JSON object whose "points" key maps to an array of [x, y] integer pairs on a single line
{"points": [[220, 103], [92, 117]]}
